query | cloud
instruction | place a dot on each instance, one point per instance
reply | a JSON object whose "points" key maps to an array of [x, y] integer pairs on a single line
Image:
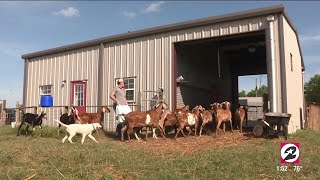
{"points": [[129, 14], [68, 12], [153, 7]]}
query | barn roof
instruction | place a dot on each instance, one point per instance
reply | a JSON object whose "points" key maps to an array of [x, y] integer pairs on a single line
{"points": [[171, 27]]}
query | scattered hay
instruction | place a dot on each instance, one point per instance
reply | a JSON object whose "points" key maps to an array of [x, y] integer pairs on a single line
{"points": [[170, 147]]}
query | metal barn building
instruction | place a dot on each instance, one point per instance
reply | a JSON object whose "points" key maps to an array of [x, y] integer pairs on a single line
{"points": [[209, 53]]}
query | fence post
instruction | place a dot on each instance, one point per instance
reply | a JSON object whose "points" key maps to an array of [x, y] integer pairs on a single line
{"points": [[17, 112], [160, 93], [3, 113], [139, 101], [66, 109]]}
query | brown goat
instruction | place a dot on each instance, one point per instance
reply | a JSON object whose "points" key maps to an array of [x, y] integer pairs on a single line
{"points": [[89, 118], [240, 115], [223, 115], [188, 119], [206, 116], [143, 119], [171, 118]]}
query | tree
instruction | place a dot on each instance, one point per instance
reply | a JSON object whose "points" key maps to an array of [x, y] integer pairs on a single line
{"points": [[242, 93], [312, 89], [253, 93]]}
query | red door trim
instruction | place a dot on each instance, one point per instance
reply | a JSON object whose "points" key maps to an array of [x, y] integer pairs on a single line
{"points": [[174, 77], [80, 108]]}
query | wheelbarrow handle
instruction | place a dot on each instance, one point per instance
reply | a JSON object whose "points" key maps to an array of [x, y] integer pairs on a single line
{"points": [[266, 123]]}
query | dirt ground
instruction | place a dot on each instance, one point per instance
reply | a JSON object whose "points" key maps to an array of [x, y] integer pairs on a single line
{"points": [[191, 143]]}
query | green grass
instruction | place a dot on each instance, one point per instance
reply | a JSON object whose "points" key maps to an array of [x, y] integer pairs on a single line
{"points": [[47, 158]]}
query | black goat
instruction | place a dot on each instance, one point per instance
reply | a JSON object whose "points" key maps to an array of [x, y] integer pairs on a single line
{"points": [[67, 118], [32, 120]]}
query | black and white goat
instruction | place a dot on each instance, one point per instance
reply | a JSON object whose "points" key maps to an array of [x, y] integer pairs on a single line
{"points": [[33, 120], [67, 118]]}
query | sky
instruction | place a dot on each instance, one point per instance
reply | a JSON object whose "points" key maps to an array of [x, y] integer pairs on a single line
{"points": [[30, 26]]}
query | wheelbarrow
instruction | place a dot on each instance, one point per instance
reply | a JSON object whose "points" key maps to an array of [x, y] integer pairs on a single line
{"points": [[270, 121]]}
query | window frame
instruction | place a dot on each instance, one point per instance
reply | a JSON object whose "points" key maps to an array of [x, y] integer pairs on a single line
{"points": [[126, 79], [50, 86]]}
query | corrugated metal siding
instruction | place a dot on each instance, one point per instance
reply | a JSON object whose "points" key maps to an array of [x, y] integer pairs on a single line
{"points": [[150, 58], [52, 70]]}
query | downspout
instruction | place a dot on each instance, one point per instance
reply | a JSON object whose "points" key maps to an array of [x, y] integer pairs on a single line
{"points": [[100, 75], [25, 78], [282, 65], [304, 116], [100, 78], [274, 107]]}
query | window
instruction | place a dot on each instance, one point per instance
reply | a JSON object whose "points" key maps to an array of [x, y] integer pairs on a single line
{"points": [[129, 85], [78, 95], [291, 62], [45, 90]]}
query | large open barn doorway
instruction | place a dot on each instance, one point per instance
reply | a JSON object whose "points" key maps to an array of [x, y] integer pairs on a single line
{"points": [[252, 94], [210, 67]]}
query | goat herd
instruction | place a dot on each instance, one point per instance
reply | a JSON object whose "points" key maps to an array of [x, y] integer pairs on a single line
{"points": [[160, 118]]}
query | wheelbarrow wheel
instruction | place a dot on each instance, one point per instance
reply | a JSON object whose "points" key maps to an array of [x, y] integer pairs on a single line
{"points": [[257, 130]]}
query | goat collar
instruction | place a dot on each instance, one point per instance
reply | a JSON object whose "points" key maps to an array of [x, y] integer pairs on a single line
{"points": [[94, 128]]}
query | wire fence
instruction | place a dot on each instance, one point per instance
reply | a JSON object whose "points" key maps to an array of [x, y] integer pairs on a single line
{"points": [[10, 116], [146, 100], [55, 112]]}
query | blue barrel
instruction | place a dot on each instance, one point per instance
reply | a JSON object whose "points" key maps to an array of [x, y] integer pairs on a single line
{"points": [[46, 101]]}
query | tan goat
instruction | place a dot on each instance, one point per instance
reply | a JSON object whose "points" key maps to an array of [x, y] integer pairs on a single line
{"points": [[89, 118], [223, 115], [240, 116]]}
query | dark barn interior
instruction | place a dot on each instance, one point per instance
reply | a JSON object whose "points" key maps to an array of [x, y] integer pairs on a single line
{"points": [[210, 67]]}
